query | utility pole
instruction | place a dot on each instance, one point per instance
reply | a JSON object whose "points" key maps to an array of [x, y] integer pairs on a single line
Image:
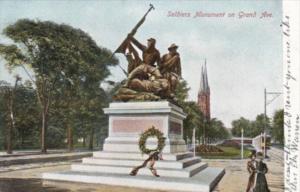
{"points": [[265, 121], [265, 116]]}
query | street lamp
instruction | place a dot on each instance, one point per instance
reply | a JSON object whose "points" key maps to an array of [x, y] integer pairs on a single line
{"points": [[242, 144]]}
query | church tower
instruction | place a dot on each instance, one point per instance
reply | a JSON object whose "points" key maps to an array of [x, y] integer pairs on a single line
{"points": [[204, 93]]}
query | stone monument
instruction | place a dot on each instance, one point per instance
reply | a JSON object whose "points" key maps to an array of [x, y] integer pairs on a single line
{"points": [[145, 100]]}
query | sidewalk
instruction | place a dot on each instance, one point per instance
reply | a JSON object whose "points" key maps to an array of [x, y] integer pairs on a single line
{"points": [[36, 157]]}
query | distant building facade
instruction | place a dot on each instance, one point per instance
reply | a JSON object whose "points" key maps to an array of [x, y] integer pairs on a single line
{"points": [[204, 93]]}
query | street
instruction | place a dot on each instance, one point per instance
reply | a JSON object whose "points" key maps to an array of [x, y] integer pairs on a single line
{"points": [[27, 178]]}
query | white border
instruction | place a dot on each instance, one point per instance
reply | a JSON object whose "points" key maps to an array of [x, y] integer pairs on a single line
{"points": [[291, 91]]}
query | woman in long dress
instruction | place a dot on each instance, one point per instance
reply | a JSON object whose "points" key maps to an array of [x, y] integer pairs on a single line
{"points": [[251, 167], [261, 181]]}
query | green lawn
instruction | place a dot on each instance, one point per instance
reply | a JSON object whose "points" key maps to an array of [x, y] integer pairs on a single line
{"points": [[229, 153]]}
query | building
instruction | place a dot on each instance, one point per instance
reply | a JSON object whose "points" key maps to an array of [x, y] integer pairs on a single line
{"points": [[204, 93]]}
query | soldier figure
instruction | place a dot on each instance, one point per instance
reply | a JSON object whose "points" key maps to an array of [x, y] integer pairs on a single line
{"points": [[133, 58], [170, 67], [147, 68], [150, 54]]}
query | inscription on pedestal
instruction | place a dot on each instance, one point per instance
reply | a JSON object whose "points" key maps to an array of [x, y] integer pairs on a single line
{"points": [[135, 125], [175, 128]]}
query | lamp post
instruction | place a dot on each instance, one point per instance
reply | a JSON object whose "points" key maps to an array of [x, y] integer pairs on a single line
{"points": [[242, 144]]}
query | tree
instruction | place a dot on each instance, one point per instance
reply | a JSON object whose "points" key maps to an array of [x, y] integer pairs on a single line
{"points": [[238, 125], [194, 117], [9, 94], [182, 91], [24, 111], [26, 116], [251, 128], [278, 126], [193, 120], [216, 131], [260, 124], [57, 54]]}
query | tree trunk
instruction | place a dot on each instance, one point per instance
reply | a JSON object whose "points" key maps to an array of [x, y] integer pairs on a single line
{"points": [[203, 140], [11, 124], [84, 142], [70, 137], [44, 132], [9, 138], [91, 143]]}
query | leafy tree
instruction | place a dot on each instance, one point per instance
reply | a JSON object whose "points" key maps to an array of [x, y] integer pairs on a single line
{"points": [[278, 127], [8, 93], [27, 112], [251, 128], [193, 120], [24, 132], [194, 117], [216, 131], [60, 57], [259, 125], [182, 91], [238, 125]]}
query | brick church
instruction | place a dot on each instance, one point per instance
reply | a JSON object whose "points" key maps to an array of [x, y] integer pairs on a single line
{"points": [[204, 93]]}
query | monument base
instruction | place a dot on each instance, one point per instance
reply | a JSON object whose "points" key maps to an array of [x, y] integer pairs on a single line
{"points": [[179, 170]]}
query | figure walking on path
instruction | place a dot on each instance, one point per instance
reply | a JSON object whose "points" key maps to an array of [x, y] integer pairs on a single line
{"points": [[251, 167], [261, 169]]}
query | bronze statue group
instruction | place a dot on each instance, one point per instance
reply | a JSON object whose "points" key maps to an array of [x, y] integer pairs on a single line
{"points": [[257, 168], [151, 77]]}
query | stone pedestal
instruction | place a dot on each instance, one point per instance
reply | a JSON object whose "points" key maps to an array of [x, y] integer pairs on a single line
{"points": [[127, 121], [179, 169]]}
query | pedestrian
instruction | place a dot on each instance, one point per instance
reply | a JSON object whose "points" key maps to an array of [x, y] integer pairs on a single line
{"points": [[251, 167], [261, 184]]}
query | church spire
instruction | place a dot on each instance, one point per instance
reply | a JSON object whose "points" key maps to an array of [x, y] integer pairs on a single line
{"points": [[204, 87], [207, 89], [204, 93]]}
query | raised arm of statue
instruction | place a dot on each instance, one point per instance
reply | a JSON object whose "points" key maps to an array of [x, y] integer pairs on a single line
{"points": [[138, 44]]}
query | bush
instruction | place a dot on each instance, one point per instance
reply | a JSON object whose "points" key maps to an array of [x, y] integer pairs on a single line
{"points": [[230, 143], [208, 149]]}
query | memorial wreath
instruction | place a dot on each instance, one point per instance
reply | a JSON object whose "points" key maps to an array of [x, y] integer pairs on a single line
{"points": [[151, 132]]}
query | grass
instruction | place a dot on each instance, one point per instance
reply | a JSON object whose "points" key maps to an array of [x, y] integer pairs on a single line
{"points": [[229, 153]]}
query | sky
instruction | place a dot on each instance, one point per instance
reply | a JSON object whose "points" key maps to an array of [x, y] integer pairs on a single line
{"points": [[244, 54]]}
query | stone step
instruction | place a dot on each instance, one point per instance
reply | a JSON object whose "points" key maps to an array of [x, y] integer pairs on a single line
{"points": [[139, 156], [173, 147], [204, 181], [135, 162], [196, 168], [182, 173]]}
